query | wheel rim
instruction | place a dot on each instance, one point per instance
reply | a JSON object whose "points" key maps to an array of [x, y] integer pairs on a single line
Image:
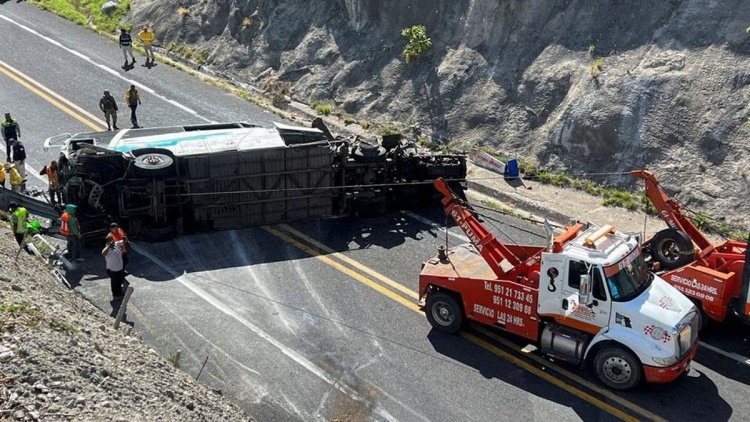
{"points": [[617, 369], [443, 313], [669, 250]]}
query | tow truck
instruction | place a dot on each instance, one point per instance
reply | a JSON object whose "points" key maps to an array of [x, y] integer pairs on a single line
{"points": [[586, 297], [714, 275]]}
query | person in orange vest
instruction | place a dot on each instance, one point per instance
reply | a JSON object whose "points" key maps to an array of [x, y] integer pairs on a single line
{"points": [[55, 196], [118, 234], [71, 229]]}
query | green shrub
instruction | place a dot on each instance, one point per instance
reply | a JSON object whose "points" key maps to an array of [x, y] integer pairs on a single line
{"points": [[619, 198], [200, 56], [78, 11], [349, 120], [365, 124], [418, 42], [389, 129], [596, 66], [591, 48], [323, 109]]}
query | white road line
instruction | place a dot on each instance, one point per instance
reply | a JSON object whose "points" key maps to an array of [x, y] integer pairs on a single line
{"points": [[290, 353], [734, 356], [435, 225], [108, 70]]}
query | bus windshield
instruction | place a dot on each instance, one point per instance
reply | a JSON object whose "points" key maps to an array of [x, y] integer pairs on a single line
{"points": [[628, 278]]}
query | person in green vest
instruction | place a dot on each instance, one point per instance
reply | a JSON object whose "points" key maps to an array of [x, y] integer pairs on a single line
{"points": [[19, 222]]}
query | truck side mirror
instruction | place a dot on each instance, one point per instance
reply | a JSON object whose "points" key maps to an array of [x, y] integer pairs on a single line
{"points": [[584, 291]]}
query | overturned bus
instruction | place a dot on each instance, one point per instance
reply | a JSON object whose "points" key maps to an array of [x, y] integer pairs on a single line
{"points": [[161, 182]]}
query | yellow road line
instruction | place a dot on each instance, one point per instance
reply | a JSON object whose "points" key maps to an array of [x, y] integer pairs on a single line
{"points": [[570, 375], [340, 256], [362, 279], [54, 102], [545, 376], [474, 339], [54, 94]]}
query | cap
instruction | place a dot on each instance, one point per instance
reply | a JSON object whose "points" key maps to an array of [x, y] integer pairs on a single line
{"points": [[13, 204], [113, 225]]}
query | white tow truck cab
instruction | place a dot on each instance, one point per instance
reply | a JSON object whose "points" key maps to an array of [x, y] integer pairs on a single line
{"points": [[587, 298]]}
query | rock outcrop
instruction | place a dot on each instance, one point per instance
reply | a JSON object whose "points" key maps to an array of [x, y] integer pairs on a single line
{"points": [[580, 86]]}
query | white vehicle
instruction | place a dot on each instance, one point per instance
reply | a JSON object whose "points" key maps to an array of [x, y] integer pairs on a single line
{"points": [[168, 180], [586, 298]]}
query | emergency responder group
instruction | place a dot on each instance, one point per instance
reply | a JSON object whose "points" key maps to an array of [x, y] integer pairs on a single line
{"points": [[108, 106], [146, 37]]}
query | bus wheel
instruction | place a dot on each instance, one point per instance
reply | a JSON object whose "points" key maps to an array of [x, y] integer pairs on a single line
{"points": [[444, 312]]}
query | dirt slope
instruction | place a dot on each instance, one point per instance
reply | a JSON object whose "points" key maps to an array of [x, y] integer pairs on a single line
{"points": [[60, 358]]}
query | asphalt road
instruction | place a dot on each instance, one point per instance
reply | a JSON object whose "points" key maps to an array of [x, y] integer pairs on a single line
{"points": [[316, 320]]}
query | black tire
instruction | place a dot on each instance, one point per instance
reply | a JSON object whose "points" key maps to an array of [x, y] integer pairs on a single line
{"points": [[618, 368], [672, 249], [444, 312], [369, 153], [152, 162]]}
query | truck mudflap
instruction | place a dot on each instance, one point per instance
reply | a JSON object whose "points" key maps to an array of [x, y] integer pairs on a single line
{"points": [[657, 374]]}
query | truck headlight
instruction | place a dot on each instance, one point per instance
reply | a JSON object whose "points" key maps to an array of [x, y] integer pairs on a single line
{"points": [[669, 361]]}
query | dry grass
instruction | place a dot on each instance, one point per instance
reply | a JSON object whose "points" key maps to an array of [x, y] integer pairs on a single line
{"points": [[183, 11]]}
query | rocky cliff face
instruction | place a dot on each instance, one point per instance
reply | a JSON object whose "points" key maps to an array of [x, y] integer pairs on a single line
{"points": [[670, 92]]}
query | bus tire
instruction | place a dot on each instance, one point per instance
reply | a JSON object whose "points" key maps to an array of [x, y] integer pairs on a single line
{"points": [[153, 162], [617, 368], [444, 312]]}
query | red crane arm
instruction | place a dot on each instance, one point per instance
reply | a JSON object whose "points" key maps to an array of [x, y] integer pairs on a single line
{"points": [[670, 210], [492, 250]]}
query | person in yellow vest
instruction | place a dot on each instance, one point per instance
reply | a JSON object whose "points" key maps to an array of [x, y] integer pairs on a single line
{"points": [[19, 221], [147, 38], [16, 181], [2, 174]]}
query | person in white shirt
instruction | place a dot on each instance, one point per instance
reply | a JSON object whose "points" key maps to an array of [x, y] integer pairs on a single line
{"points": [[112, 254]]}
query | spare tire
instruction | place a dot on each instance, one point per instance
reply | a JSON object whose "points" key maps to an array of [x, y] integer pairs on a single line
{"points": [[152, 162], [672, 248]]}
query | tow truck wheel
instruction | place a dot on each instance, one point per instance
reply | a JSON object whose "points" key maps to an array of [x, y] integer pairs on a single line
{"points": [[444, 312], [617, 368], [672, 249]]}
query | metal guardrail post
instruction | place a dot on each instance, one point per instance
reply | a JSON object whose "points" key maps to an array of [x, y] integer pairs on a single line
{"points": [[123, 307]]}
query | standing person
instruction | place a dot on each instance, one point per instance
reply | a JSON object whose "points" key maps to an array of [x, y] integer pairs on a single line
{"points": [[11, 133], [19, 161], [2, 174], [19, 221], [112, 254], [118, 234], [55, 196], [133, 100], [16, 181], [126, 44], [71, 229], [147, 38], [108, 106]]}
